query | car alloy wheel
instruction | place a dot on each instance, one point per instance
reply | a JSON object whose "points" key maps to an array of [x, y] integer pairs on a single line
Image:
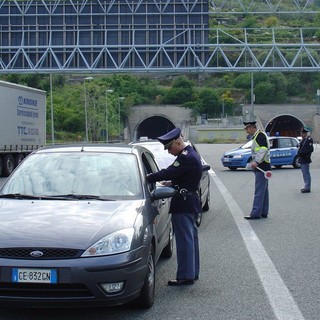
{"points": [[146, 298]]}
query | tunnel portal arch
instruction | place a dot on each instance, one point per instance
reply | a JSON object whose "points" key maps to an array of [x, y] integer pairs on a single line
{"points": [[284, 125], [153, 127]]}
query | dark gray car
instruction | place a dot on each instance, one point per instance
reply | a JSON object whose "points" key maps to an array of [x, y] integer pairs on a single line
{"points": [[81, 225]]}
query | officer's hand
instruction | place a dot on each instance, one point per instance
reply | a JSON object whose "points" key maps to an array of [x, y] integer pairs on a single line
{"points": [[254, 164], [166, 183]]}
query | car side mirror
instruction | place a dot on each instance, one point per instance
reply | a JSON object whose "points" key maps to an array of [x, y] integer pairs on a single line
{"points": [[162, 193], [205, 167]]}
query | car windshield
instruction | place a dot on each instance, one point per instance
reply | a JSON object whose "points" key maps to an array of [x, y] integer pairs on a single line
{"points": [[247, 145], [77, 175]]}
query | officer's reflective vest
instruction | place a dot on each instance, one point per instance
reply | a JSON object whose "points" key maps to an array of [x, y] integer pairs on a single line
{"points": [[260, 153]]}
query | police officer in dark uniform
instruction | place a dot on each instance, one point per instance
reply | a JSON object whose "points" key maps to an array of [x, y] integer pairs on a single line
{"points": [[184, 174], [305, 150]]}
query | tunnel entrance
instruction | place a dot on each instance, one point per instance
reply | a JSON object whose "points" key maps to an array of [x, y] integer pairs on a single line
{"points": [[284, 125], [153, 127]]}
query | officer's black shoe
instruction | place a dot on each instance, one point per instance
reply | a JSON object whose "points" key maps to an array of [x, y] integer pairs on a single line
{"points": [[305, 191], [181, 282], [251, 218]]}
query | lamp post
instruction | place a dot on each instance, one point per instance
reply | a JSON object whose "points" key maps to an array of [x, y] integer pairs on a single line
{"points": [[222, 106], [119, 99], [85, 105], [252, 98], [51, 103], [107, 127], [318, 100]]}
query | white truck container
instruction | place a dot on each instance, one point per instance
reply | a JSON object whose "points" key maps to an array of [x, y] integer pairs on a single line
{"points": [[22, 124]]}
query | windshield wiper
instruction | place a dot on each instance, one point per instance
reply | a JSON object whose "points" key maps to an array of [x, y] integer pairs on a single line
{"points": [[55, 197], [20, 196], [80, 197]]}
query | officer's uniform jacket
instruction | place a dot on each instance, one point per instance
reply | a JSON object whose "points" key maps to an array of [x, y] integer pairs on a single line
{"points": [[185, 173], [305, 150], [260, 150]]}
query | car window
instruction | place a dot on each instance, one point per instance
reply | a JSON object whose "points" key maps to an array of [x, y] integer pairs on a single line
{"points": [[149, 164], [101, 174], [163, 158], [285, 143]]}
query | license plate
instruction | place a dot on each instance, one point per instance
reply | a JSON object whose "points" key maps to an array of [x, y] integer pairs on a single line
{"points": [[226, 159], [27, 275]]}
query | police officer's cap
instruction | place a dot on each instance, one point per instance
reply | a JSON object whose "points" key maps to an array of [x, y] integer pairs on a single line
{"points": [[169, 137], [250, 123], [305, 130]]}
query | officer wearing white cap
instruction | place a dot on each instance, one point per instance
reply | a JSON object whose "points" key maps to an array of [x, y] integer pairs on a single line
{"points": [[305, 150], [260, 150], [185, 175]]}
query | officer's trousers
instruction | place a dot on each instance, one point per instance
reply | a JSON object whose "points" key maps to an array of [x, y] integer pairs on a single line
{"points": [[305, 168], [187, 245], [261, 196]]}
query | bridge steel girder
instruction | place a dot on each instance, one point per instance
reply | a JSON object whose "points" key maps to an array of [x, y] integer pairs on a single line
{"points": [[168, 36], [230, 50]]}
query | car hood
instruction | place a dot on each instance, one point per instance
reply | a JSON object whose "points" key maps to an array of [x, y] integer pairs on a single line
{"points": [[237, 151], [64, 224]]}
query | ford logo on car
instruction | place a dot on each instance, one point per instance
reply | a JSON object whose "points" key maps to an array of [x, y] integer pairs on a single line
{"points": [[36, 254]]}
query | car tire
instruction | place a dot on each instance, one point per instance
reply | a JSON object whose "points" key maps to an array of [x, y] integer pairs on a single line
{"points": [[207, 203], [8, 165], [199, 219], [18, 158], [296, 163], [168, 249], [146, 298], [278, 166], [233, 168]]}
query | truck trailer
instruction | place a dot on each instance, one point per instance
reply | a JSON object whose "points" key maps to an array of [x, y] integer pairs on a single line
{"points": [[22, 124]]}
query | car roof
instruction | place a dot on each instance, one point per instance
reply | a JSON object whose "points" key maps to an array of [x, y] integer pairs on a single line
{"points": [[281, 137], [87, 147]]}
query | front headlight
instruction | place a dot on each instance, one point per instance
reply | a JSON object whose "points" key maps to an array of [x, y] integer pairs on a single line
{"points": [[116, 242], [238, 156]]}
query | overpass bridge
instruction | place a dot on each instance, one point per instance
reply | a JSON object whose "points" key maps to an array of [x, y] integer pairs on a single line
{"points": [[166, 36]]}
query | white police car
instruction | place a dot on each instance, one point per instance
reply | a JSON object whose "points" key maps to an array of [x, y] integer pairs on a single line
{"points": [[283, 151]]}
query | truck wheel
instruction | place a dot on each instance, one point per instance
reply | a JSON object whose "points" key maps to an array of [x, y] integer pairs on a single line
{"points": [[18, 158], [8, 165], [1, 166]]}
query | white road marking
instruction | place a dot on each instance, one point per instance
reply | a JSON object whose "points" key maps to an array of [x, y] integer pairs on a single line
{"points": [[278, 294]]}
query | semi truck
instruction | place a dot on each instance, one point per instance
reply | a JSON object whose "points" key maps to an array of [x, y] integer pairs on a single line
{"points": [[22, 124]]}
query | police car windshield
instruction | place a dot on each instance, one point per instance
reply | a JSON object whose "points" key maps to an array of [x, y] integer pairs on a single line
{"points": [[247, 145]]}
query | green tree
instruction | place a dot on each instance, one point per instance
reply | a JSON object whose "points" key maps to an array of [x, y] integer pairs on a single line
{"points": [[264, 92], [181, 91]]}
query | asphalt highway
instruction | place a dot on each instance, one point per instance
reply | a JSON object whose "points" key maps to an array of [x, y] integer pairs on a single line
{"points": [[250, 270]]}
